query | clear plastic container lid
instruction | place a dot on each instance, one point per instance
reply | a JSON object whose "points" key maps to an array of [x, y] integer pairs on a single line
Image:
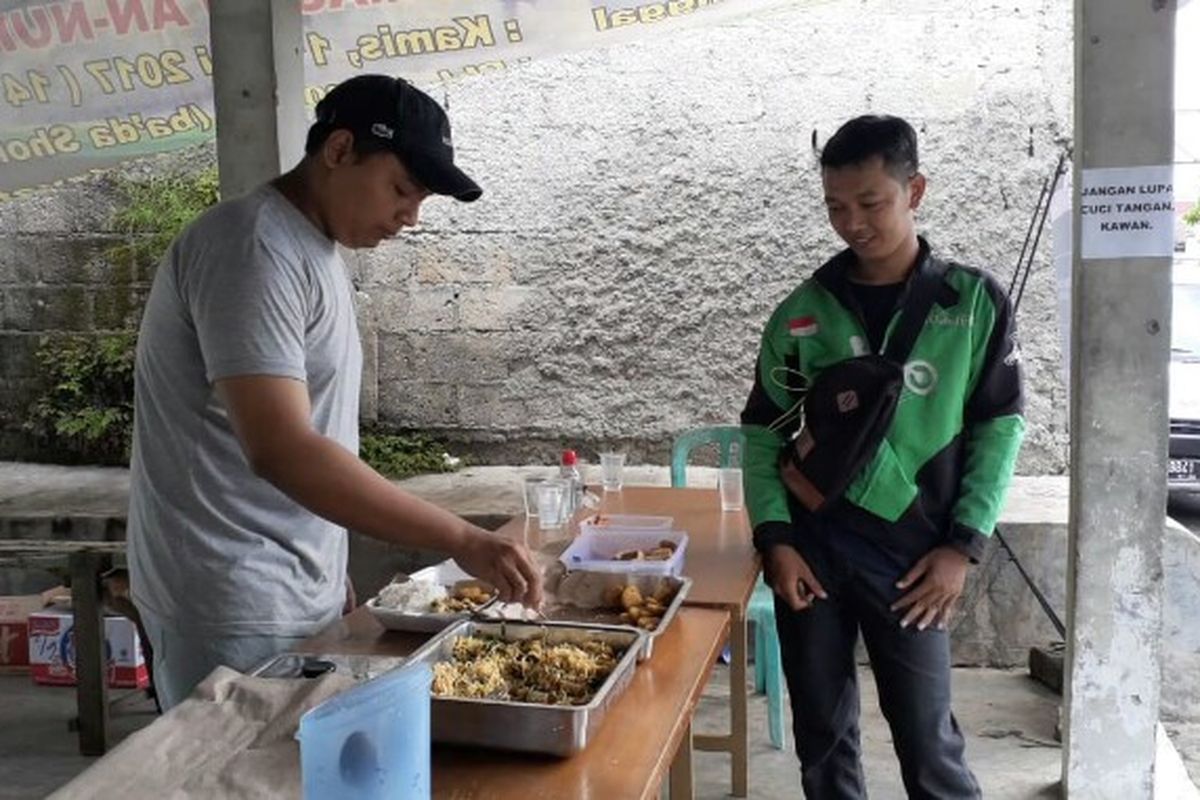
{"points": [[626, 522], [371, 741]]}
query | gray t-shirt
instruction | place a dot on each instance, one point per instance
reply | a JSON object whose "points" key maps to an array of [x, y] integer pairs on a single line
{"points": [[250, 288]]}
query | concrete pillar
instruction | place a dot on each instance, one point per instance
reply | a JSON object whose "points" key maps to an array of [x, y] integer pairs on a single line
{"points": [[1119, 417], [258, 89]]}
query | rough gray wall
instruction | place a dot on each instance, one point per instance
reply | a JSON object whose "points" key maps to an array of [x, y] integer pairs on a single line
{"points": [[646, 207]]}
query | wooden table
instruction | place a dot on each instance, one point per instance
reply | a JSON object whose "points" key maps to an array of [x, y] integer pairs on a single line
{"points": [[724, 568], [86, 562], [645, 738]]}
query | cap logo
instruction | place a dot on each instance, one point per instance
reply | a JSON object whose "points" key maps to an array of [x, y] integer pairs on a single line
{"points": [[382, 131]]}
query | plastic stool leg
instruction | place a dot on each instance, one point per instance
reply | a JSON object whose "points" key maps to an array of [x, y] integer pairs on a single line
{"points": [[760, 656], [775, 690]]}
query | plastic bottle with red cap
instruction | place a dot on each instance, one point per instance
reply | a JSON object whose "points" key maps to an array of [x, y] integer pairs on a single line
{"points": [[568, 470]]}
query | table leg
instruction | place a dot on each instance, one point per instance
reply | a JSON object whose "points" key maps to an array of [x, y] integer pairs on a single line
{"points": [[681, 769], [91, 692], [739, 700], [738, 741]]}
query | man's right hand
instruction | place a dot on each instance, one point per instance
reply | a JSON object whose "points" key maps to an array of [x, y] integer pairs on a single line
{"points": [[272, 419], [791, 578], [504, 564]]}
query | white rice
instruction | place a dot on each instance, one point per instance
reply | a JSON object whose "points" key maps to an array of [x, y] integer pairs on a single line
{"points": [[411, 596]]}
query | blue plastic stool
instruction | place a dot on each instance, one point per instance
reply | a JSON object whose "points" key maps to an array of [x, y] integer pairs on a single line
{"points": [[768, 671]]}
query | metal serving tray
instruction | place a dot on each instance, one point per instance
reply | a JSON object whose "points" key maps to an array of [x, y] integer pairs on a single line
{"points": [[446, 573], [528, 727], [578, 596]]}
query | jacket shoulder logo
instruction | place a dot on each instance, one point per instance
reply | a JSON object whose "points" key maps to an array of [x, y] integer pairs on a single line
{"points": [[803, 326]]}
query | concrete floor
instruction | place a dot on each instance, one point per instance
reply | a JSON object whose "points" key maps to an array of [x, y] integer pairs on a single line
{"points": [[1009, 721], [1007, 717], [38, 753]]}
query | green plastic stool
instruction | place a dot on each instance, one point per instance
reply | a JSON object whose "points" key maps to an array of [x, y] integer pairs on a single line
{"points": [[768, 671], [730, 441]]}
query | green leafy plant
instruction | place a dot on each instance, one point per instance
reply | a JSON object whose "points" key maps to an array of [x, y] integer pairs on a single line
{"points": [[1192, 217], [85, 412], [398, 455], [157, 209], [85, 415]]}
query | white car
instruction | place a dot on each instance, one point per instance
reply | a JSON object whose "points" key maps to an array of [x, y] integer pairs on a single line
{"points": [[1183, 469]]}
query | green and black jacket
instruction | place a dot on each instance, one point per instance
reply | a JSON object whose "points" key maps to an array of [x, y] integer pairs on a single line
{"points": [[942, 471]]}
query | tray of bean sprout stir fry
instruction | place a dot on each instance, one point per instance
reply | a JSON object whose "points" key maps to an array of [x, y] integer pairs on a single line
{"points": [[529, 687]]}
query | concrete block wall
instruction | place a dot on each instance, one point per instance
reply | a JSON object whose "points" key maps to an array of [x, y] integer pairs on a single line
{"points": [[1002, 619], [58, 274], [646, 206]]}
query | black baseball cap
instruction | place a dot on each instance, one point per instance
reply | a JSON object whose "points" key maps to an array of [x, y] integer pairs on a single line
{"points": [[407, 121]]}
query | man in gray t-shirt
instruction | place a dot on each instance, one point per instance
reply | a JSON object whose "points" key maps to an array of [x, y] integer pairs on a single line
{"points": [[245, 472]]}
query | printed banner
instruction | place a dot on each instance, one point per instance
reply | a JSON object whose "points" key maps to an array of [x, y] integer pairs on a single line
{"points": [[85, 84]]}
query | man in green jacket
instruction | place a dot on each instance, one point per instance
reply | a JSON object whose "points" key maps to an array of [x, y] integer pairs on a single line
{"points": [[890, 555]]}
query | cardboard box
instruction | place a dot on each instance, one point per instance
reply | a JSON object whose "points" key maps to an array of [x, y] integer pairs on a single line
{"points": [[14, 625], [52, 650]]}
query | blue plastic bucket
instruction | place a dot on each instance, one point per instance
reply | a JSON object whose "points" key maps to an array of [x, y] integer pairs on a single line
{"points": [[371, 741]]}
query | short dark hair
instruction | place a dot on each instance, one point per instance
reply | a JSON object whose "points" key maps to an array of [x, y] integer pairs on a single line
{"points": [[871, 135]]}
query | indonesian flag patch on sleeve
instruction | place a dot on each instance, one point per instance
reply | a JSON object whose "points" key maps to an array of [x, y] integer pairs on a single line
{"points": [[803, 326]]}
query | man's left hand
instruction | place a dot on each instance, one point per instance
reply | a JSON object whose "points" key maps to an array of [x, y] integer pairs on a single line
{"points": [[938, 578]]}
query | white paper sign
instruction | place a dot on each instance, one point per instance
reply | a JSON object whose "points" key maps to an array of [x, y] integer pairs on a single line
{"points": [[1127, 212]]}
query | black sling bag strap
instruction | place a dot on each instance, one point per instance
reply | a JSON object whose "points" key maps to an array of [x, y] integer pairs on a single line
{"points": [[850, 406]]}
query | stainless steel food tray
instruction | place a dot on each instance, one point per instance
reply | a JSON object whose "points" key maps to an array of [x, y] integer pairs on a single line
{"points": [[578, 596], [528, 727]]}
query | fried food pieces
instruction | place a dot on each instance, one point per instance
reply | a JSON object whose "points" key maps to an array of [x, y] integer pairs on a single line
{"points": [[645, 612], [663, 552], [467, 597]]}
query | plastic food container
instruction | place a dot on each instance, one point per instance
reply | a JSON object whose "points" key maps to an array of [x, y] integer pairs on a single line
{"points": [[596, 552], [371, 741]]}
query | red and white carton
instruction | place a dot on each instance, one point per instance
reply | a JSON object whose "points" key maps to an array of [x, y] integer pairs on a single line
{"points": [[52, 650], [14, 625]]}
